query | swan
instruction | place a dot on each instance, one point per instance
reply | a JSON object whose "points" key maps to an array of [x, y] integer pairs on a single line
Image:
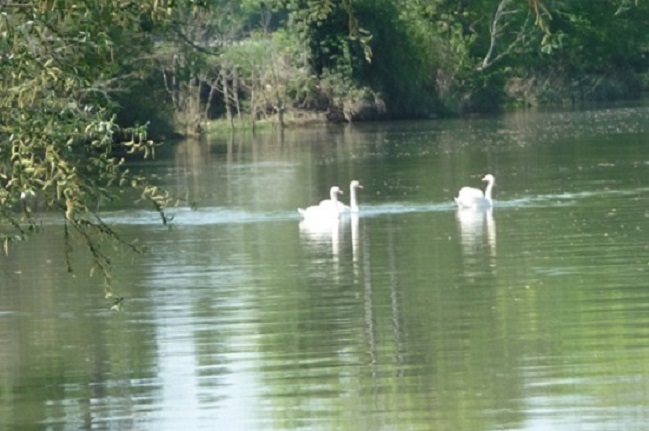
{"points": [[353, 203], [327, 208], [470, 197]]}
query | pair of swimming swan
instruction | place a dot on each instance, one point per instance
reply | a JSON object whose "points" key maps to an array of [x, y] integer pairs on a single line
{"points": [[468, 197], [332, 207]]}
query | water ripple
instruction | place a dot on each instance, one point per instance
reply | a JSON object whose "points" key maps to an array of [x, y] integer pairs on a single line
{"points": [[223, 215]]}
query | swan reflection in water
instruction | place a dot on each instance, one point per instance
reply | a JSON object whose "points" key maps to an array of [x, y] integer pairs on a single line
{"points": [[334, 235], [477, 234], [322, 230]]}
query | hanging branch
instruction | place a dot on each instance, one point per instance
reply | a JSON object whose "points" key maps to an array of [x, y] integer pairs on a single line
{"points": [[501, 21]]}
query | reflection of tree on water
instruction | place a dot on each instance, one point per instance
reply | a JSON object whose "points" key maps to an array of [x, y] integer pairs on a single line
{"points": [[477, 237]]}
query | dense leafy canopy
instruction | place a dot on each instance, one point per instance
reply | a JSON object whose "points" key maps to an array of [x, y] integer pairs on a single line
{"points": [[61, 62]]}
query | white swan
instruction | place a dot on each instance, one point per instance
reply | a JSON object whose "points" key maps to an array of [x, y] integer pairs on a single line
{"points": [[470, 197], [327, 208], [353, 203]]}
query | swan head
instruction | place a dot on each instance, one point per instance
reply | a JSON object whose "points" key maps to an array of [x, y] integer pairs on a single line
{"points": [[489, 178], [334, 192], [355, 185]]}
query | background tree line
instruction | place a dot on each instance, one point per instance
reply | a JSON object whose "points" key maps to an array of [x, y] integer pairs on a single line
{"points": [[373, 59], [84, 85]]}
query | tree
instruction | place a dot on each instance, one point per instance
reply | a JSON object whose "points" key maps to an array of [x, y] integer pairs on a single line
{"points": [[503, 19], [61, 64]]}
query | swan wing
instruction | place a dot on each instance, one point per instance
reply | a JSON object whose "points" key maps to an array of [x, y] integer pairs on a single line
{"points": [[469, 196], [325, 210], [333, 206], [313, 210], [470, 193]]}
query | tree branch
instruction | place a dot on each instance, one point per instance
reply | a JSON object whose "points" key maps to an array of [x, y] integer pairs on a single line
{"points": [[499, 23]]}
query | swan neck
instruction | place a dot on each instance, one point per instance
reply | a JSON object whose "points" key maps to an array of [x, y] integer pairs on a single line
{"points": [[487, 192], [353, 205]]}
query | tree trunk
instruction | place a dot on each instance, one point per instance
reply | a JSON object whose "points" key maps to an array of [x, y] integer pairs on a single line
{"points": [[235, 93], [226, 96]]}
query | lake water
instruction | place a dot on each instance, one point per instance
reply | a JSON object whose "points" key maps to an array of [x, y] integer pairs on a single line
{"points": [[411, 316]]}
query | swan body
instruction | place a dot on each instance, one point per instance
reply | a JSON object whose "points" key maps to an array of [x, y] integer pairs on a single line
{"points": [[327, 209], [353, 203], [470, 197]]}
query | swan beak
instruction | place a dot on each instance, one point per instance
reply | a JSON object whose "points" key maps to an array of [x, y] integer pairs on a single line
{"points": [[340, 192], [360, 186]]}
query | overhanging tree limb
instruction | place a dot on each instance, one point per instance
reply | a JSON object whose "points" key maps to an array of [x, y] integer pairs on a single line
{"points": [[503, 18], [61, 64]]}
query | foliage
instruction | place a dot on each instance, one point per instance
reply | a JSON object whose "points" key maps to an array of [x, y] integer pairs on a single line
{"points": [[61, 63], [599, 52], [602, 36], [274, 73], [405, 58], [484, 45]]}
